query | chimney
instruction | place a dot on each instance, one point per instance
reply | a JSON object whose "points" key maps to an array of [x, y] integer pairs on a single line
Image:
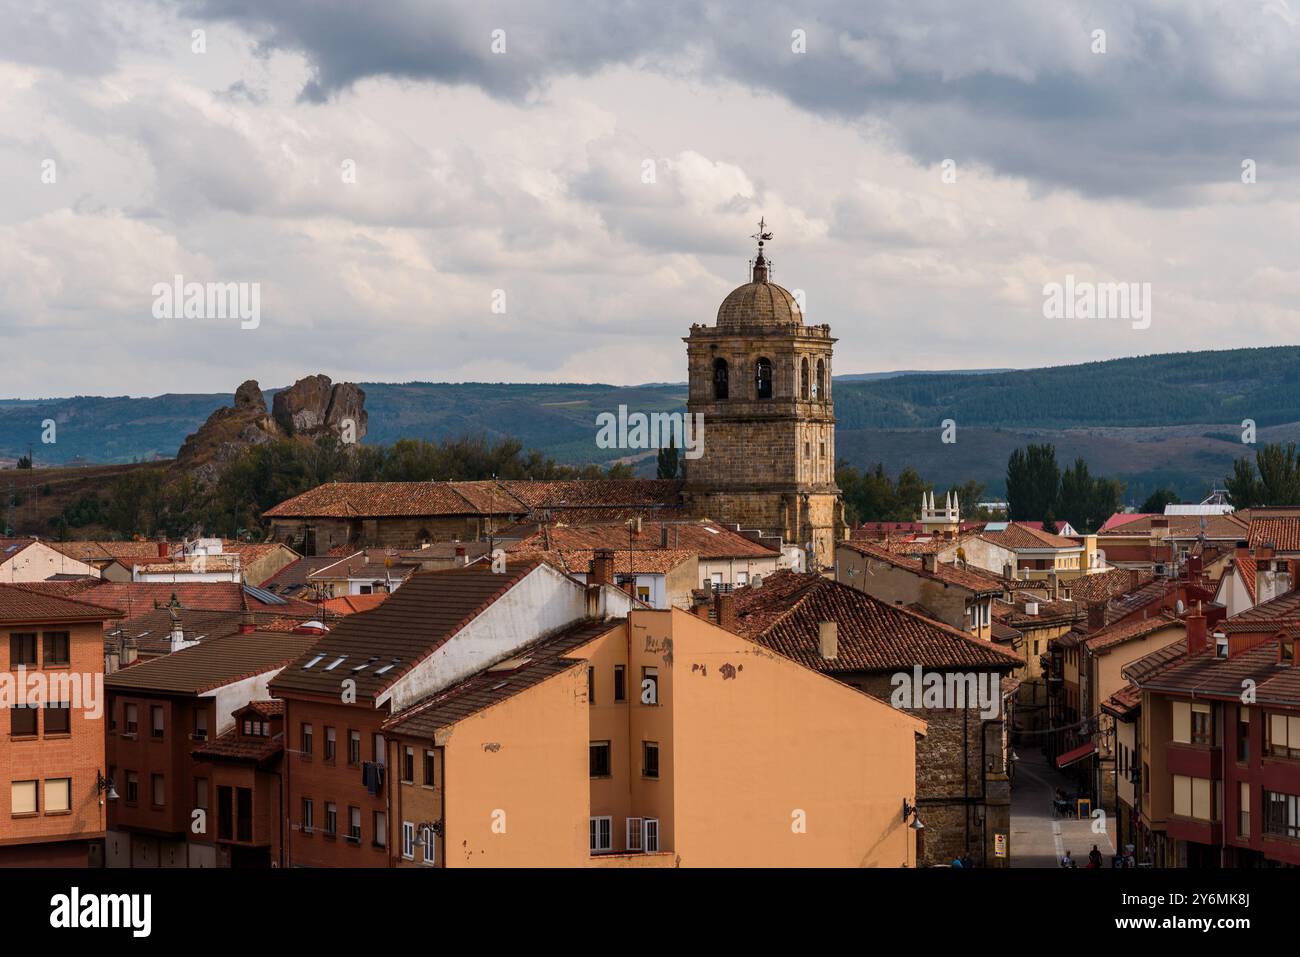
{"points": [[602, 567], [1195, 623], [724, 604], [1134, 578], [460, 556], [828, 640], [247, 624], [1096, 615], [130, 652], [663, 536], [929, 561], [163, 550], [1055, 585], [593, 601]]}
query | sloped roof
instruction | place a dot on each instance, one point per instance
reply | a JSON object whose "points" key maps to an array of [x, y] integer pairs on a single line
{"points": [[409, 626], [653, 561], [704, 538], [525, 669], [19, 603], [949, 574], [1018, 536], [1112, 636], [212, 664], [1283, 534], [785, 612]]}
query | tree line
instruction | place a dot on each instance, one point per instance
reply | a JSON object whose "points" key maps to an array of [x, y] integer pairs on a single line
{"points": [[155, 501]]}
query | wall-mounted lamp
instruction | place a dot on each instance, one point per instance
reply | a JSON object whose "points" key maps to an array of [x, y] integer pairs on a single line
{"points": [[910, 810], [103, 784]]}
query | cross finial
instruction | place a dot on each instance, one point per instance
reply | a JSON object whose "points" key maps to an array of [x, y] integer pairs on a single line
{"points": [[762, 235]]}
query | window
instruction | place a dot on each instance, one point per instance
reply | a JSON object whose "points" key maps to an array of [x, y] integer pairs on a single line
{"points": [[132, 787], [599, 759], [155, 721], [23, 722], [1243, 735], [132, 719], [58, 718], [408, 765], [428, 769], [305, 740], [201, 793], [22, 798], [377, 746], [57, 648], [763, 378], [157, 790], [200, 724], [1243, 811], [381, 829], [308, 815], [634, 834], [650, 759], [719, 378], [1281, 814], [354, 748], [408, 840], [22, 650], [591, 685], [742, 579], [225, 813], [429, 846], [601, 834], [1283, 736], [1192, 798], [650, 835], [805, 383], [331, 818], [244, 814], [819, 388], [330, 742], [649, 685], [1202, 724], [354, 824], [58, 795]]}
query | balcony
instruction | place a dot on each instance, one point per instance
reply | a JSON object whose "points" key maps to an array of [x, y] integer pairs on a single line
{"points": [[1194, 760]]}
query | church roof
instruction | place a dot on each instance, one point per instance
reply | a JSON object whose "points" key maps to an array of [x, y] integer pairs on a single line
{"points": [[759, 303]]}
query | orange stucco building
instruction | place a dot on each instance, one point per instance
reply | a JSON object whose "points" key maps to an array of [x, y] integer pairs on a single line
{"points": [[658, 739]]}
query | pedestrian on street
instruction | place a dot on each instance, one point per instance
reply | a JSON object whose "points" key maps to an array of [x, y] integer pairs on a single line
{"points": [[1067, 861], [1094, 858]]}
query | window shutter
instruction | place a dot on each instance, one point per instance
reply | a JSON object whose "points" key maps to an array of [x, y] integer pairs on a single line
{"points": [[650, 835], [633, 834]]}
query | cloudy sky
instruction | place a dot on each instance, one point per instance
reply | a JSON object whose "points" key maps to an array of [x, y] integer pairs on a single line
{"points": [[602, 166]]}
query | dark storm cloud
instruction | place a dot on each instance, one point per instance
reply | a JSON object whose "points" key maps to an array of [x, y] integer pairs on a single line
{"points": [[1184, 91]]}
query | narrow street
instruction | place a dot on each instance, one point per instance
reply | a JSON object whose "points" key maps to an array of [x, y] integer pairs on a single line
{"points": [[1037, 839]]}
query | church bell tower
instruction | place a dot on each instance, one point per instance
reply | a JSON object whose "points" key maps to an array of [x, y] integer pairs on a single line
{"points": [[762, 380]]}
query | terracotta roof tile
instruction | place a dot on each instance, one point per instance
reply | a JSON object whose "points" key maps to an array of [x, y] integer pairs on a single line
{"points": [[785, 611], [20, 603], [950, 574]]}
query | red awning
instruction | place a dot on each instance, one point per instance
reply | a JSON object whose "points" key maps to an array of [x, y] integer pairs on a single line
{"points": [[1078, 754]]}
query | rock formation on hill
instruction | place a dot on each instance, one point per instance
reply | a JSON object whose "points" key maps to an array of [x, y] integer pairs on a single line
{"points": [[311, 407]]}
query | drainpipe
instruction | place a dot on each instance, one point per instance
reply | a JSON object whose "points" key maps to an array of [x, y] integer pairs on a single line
{"points": [[965, 770]]}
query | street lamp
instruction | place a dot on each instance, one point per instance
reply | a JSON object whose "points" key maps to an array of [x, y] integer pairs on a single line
{"points": [[911, 810], [103, 784]]}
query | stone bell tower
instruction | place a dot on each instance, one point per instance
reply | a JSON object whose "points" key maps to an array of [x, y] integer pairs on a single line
{"points": [[762, 380]]}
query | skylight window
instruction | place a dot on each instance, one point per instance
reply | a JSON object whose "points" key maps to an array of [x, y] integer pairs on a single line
{"points": [[313, 662], [388, 667], [336, 662]]}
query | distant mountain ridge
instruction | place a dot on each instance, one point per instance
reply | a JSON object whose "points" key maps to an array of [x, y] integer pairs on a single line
{"points": [[1172, 418]]}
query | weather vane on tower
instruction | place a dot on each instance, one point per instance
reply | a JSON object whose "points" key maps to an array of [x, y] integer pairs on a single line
{"points": [[759, 266], [762, 235]]}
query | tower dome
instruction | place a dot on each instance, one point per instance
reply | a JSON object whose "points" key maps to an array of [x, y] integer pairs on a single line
{"points": [[760, 302]]}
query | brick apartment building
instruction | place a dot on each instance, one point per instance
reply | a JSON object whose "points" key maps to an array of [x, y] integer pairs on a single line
{"points": [[52, 757], [1219, 743], [169, 724]]}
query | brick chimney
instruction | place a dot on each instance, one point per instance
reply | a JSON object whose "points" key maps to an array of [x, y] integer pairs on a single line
{"points": [[1134, 579], [602, 567], [1096, 615], [929, 562], [724, 606], [828, 640], [1195, 622], [164, 551]]}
